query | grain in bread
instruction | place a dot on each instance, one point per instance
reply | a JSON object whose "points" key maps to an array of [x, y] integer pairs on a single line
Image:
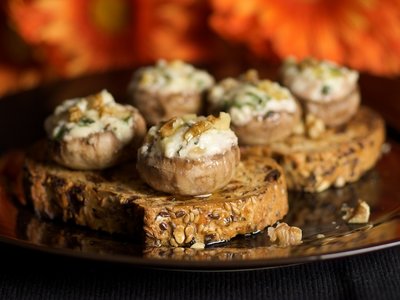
{"points": [[338, 156], [117, 201]]}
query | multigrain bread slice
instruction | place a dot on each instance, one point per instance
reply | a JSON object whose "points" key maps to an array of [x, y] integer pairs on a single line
{"points": [[92, 242], [117, 201], [339, 156]]}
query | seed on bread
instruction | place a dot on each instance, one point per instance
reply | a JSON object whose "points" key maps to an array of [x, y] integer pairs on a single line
{"points": [[338, 156], [121, 203]]}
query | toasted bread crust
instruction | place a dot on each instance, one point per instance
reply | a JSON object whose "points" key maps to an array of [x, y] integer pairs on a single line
{"points": [[341, 155], [117, 201]]}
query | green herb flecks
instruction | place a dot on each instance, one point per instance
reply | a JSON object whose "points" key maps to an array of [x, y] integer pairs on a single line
{"points": [[256, 98], [325, 90], [179, 150], [200, 84], [250, 99], [226, 105], [85, 121], [126, 119], [335, 71], [167, 76], [61, 133]]}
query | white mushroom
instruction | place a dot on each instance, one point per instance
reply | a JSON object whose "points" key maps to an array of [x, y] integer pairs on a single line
{"points": [[326, 90], [189, 155], [262, 111], [94, 132], [169, 89]]}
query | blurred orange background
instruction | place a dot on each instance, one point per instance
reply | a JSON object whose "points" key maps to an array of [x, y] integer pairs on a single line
{"points": [[46, 40]]}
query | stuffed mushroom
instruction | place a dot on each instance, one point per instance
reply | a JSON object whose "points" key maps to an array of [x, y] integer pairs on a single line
{"points": [[94, 132], [262, 111], [189, 155], [326, 90], [169, 89]]}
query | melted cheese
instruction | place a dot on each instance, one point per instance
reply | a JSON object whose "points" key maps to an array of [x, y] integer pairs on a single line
{"points": [[81, 117], [320, 81], [211, 140], [246, 101], [172, 77]]}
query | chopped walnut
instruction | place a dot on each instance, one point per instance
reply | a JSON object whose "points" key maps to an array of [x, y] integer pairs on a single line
{"points": [[74, 114], [250, 76], [315, 127], [222, 122], [108, 111], [285, 235], [299, 129], [95, 102], [169, 127], [357, 215], [197, 129]]}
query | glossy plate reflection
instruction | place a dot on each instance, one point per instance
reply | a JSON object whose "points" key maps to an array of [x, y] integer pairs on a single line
{"points": [[325, 233]]}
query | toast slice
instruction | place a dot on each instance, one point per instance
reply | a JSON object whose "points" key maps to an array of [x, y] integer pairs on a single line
{"points": [[117, 201], [339, 156]]}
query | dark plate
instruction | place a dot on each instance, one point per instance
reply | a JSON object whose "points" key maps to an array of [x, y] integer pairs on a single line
{"points": [[325, 234]]}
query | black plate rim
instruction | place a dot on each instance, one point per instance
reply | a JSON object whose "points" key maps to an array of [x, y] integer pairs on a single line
{"points": [[215, 266]]}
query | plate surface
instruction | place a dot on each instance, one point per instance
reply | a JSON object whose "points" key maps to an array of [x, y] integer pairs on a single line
{"points": [[325, 234]]}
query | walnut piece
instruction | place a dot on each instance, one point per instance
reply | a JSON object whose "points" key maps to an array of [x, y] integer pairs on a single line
{"points": [[74, 114], [170, 127], [285, 235], [357, 215], [315, 127], [299, 128]]}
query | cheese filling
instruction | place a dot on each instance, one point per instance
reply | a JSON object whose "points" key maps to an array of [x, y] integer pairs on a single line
{"points": [[190, 137], [172, 77], [247, 100], [320, 81], [81, 117]]}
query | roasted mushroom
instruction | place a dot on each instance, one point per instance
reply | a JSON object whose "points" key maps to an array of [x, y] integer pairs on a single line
{"points": [[262, 111], [325, 89], [169, 89], [94, 132], [189, 155]]}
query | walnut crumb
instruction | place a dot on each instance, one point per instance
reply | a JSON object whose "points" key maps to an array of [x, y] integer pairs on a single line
{"points": [[357, 215], [285, 235], [299, 129], [74, 114], [315, 127]]}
